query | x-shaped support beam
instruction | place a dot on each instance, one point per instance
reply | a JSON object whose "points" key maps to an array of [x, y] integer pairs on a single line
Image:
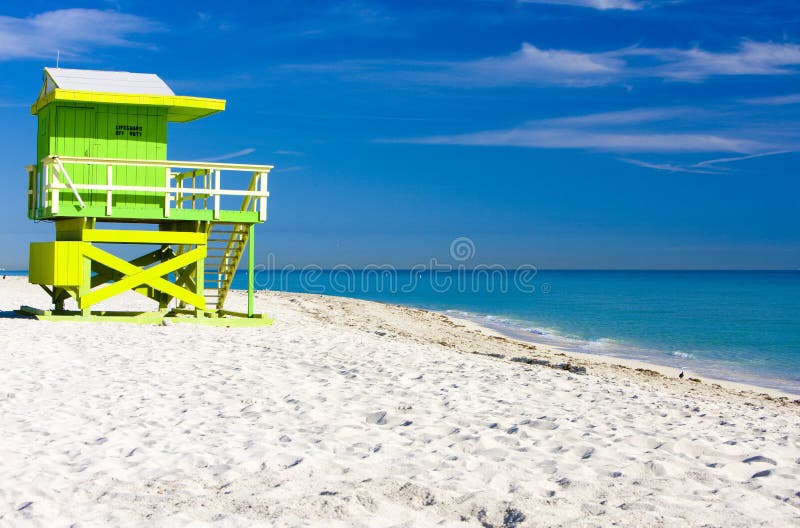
{"points": [[137, 276]]}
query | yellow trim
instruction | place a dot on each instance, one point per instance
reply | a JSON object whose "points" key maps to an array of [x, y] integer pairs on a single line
{"points": [[180, 108], [142, 237]]}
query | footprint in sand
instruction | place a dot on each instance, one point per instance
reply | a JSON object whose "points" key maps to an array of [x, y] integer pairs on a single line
{"points": [[286, 461], [759, 459], [495, 454], [542, 425], [376, 418]]}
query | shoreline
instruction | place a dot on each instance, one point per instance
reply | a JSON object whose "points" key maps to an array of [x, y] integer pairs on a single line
{"points": [[668, 371], [509, 332], [632, 366]]}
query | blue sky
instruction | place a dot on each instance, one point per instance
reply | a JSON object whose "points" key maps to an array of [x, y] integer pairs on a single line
{"points": [[560, 133]]}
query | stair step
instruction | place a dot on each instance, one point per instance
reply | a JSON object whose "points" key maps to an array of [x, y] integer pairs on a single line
{"points": [[225, 247]]}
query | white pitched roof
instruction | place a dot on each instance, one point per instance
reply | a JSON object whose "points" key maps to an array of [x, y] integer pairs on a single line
{"points": [[105, 81]]}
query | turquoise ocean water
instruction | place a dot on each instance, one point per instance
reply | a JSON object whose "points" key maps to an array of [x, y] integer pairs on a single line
{"points": [[740, 326]]}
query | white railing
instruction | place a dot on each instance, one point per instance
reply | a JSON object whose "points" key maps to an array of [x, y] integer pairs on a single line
{"points": [[191, 189]]}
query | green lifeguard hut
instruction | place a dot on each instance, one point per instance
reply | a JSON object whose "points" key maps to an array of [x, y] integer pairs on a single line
{"points": [[103, 178]]}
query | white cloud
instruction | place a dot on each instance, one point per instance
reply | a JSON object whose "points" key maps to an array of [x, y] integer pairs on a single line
{"points": [[668, 167], [628, 131], [750, 58], [73, 31], [231, 155], [625, 117], [532, 66], [704, 167], [718, 161], [627, 5], [642, 131], [775, 100], [609, 141]]}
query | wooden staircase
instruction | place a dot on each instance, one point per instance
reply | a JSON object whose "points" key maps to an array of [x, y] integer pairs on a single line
{"points": [[226, 245]]}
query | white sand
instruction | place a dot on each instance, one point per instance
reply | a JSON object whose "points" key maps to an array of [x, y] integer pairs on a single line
{"points": [[348, 413]]}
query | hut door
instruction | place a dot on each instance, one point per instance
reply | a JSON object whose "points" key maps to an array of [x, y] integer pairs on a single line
{"points": [[75, 134]]}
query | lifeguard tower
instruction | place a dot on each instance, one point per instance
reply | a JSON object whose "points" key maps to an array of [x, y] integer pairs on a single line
{"points": [[103, 179]]}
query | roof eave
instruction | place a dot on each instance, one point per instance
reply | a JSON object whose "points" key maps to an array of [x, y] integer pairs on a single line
{"points": [[180, 108]]}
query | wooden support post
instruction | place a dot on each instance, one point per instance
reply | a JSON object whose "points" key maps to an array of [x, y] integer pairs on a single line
{"points": [[199, 280], [163, 298], [53, 190], [263, 209], [109, 182], [167, 184], [216, 194], [179, 194], [86, 285], [250, 265]]}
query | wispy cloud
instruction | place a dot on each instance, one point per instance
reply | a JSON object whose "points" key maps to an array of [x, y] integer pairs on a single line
{"points": [[775, 100], [711, 166], [231, 155], [627, 5], [532, 65], [607, 131], [668, 167], [527, 66], [567, 138], [73, 31], [680, 132], [287, 169], [719, 161], [624, 117], [750, 58]]}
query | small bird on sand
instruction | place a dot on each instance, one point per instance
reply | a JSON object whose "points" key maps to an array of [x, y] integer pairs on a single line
{"points": [[680, 375]]}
